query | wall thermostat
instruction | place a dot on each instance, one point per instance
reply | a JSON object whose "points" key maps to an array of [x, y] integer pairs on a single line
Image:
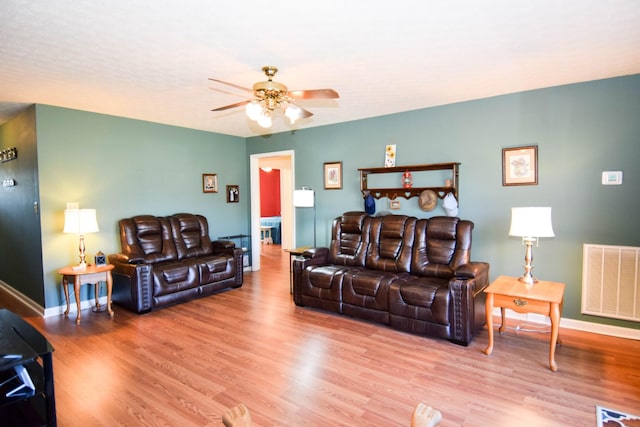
{"points": [[611, 177]]}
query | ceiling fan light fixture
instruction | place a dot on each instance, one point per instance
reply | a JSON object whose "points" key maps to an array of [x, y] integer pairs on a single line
{"points": [[253, 110], [264, 120], [293, 113]]}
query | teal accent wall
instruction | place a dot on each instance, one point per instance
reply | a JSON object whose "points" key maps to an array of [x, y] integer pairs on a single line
{"points": [[581, 130], [124, 167]]}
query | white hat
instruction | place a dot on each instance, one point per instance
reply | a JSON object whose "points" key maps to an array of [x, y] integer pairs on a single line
{"points": [[450, 205]]}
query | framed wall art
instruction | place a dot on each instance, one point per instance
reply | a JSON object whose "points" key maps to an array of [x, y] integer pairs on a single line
{"points": [[520, 165], [209, 183], [233, 194], [333, 176]]}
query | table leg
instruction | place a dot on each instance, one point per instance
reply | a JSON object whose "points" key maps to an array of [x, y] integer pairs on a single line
{"points": [[555, 323], [76, 292], [96, 292], [109, 290], [65, 287], [489, 310], [502, 323]]}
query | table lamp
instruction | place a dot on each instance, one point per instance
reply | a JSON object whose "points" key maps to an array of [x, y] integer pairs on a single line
{"points": [[305, 198], [80, 222], [530, 224]]}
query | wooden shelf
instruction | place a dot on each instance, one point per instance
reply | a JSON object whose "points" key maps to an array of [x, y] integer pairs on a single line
{"points": [[408, 193]]}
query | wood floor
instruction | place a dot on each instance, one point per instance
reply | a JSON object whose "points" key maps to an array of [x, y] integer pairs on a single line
{"points": [[182, 366]]}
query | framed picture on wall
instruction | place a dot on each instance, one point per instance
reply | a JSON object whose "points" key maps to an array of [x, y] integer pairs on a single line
{"points": [[333, 176], [233, 194], [209, 183], [520, 165]]}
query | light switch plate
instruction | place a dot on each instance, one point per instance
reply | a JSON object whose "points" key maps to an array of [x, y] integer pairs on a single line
{"points": [[612, 178]]}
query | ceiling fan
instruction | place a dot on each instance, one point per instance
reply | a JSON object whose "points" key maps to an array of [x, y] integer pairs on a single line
{"points": [[270, 96]]}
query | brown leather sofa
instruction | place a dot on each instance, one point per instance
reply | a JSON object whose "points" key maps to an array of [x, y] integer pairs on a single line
{"points": [[168, 260], [412, 274]]}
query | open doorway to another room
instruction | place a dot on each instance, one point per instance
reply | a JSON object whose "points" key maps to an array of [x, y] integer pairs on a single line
{"points": [[272, 213]]}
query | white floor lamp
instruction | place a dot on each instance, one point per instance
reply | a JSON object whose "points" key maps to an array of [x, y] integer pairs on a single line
{"points": [[305, 198]]}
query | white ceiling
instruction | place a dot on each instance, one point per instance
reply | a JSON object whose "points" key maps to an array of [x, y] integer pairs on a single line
{"points": [[151, 59]]}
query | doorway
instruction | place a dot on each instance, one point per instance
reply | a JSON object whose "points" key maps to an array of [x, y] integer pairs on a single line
{"points": [[284, 162]]}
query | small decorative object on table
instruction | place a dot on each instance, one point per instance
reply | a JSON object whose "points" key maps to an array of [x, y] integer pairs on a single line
{"points": [[100, 258]]}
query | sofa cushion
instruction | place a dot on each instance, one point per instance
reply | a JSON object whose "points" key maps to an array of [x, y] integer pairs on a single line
{"points": [[215, 268], [421, 298], [441, 245], [191, 235], [390, 243], [147, 239], [323, 282], [349, 239], [174, 277]]}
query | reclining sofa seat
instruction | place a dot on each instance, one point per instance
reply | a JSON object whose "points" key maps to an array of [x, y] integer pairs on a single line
{"points": [[413, 274], [167, 260], [321, 285], [365, 292]]}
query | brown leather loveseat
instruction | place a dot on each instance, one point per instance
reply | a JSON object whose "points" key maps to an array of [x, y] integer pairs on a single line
{"points": [[412, 274], [167, 260]]}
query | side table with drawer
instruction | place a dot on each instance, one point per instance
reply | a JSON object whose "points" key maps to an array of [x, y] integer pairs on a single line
{"points": [[541, 298]]}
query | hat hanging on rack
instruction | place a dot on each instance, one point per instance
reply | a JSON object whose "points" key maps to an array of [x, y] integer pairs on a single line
{"points": [[450, 205], [428, 200]]}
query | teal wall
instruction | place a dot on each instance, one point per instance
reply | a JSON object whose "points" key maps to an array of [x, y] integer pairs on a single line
{"points": [[580, 130], [124, 167]]}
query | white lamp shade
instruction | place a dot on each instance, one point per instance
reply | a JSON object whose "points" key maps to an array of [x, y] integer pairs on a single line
{"points": [[80, 221], [531, 222], [303, 198]]}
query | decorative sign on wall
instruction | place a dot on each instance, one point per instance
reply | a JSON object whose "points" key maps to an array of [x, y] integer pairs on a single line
{"points": [[8, 154]]}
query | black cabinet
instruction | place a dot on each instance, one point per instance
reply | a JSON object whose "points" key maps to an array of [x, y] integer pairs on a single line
{"points": [[26, 374]]}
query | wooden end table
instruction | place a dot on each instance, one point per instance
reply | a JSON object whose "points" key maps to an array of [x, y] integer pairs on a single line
{"points": [[541, 298], [93, 274]]}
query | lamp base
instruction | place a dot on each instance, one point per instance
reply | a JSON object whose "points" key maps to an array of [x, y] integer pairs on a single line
{"points": [[528, 280], [79, 267]]}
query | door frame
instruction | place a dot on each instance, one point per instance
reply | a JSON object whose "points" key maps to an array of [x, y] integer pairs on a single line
{"points": [[254, 176]]}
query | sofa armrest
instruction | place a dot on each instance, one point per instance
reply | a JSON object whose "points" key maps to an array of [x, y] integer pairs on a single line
{"points": [[317, 255], [132, 285], [313, 256], [123, 259], [474, 270], [222, 244], [468, 302]]}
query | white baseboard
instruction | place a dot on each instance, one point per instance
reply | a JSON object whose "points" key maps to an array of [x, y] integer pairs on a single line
{"points": [[31, 304], [73, 308], [578, 325]]}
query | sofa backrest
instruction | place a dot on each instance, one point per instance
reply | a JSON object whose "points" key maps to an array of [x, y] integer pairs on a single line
{"points": [[441, 245], [190, 235], [349, 239], [391, 243], [148, 239]]}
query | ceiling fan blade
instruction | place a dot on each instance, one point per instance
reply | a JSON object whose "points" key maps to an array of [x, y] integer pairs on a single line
{"points": [[237, 104], [305, 114], [232, 85], [313, 94]]}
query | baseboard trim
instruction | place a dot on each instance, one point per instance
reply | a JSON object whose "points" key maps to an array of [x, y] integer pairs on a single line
{"points": [[28, 302], [578, 325]]}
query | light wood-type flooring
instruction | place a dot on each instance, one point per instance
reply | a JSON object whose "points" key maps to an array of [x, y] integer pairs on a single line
{"points": [[182, 366]]}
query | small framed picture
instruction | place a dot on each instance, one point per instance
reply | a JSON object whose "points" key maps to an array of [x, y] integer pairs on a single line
{"points": [[333, 176], [209, 183], [233, 194], [520, 165]]}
